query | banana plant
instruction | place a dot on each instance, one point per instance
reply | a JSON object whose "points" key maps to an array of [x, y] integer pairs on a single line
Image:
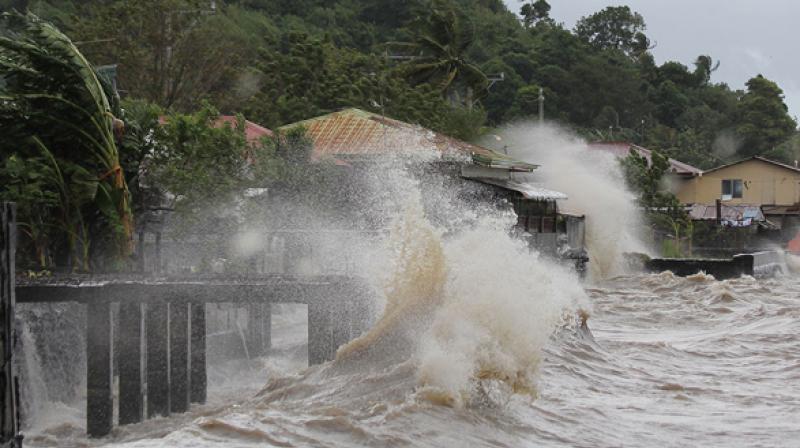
{"points": [[52, 100]]}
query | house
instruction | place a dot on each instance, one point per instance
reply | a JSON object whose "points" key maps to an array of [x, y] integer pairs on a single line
{"points": [[253, 132], [359, 138], [678, 174], [623, 149], [757, 181], [754, 181]]}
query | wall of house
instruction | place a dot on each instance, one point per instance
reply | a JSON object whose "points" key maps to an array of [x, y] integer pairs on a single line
{"points": [[763, 184]]}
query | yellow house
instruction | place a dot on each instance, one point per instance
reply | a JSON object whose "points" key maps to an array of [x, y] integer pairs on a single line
{"points": [[754, 181]]}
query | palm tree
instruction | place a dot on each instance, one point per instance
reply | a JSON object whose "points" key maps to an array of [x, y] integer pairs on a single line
{"points": [[438, 55], [53, 103]]}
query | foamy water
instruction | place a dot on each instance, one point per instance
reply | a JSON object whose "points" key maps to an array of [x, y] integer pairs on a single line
{"points": [[668, 362], [481, 342]]}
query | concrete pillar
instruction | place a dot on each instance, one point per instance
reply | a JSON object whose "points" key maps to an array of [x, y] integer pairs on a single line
{"points": [[99, 380], [157, 331], [320, 335], [255, 330], [179, 356], [9, 392], [266, 321], [197, 347], [131, 390], [157, 261], [343, 323], [259, 329]]}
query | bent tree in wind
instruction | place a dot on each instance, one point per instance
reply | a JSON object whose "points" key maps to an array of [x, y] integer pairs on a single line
{"points": [[438, 55], [58, 123]]}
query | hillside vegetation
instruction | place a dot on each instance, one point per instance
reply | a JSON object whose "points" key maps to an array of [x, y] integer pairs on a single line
{"points": [[426, 61]]}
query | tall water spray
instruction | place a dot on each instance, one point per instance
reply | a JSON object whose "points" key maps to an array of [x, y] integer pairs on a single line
{"points": [[594, 182]]}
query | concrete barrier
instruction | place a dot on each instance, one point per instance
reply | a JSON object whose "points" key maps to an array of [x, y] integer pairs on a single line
{"points": [[758, 264]]}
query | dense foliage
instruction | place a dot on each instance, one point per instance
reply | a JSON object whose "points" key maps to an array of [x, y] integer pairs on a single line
{"points": [[60, 156], [456, 66], [280, 61]]}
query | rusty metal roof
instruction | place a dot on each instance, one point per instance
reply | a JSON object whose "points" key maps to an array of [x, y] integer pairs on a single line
{"points": [[352, 133], [252, 131]]}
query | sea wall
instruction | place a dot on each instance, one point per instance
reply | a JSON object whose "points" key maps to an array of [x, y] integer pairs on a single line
{"points": [[757, 264]]}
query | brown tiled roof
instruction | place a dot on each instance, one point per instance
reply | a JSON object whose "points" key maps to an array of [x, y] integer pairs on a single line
{"points": [[622, 149], [351, 133]]}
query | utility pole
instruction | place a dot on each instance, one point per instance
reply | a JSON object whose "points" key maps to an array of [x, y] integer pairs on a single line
{"points": [[169, 39], [541, 105]]}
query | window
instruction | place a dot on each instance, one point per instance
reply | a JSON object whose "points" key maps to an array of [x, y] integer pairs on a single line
{"points": [[732, 189]]}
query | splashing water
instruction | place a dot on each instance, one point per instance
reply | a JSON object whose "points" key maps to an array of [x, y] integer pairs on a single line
{"points": [[596, 188], [477, 306]]}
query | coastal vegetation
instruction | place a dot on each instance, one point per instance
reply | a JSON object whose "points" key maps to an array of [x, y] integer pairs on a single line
{"points": [[460, 67]]}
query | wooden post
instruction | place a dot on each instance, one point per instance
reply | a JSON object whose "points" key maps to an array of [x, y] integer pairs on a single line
{"points": [[179, 356], [9, 413], [99, 375], [157, 331], [320, 336], [131, 392], [197, 347]]}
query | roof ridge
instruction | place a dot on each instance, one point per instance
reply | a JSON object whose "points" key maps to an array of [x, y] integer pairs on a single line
{"points": [[754, 157]]}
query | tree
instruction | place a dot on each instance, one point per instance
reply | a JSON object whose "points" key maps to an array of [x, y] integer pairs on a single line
{"points": [[763, 119], [170, 52], [438, 50], [704, 67], [615, 27], [663, 211], [535, 12], [55, 109]]}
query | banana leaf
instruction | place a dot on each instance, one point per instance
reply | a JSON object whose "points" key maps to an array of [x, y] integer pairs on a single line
{"points": [[51, 93]]}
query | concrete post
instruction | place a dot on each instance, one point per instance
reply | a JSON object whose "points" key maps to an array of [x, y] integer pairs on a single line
{"points": [[197, 347], [140, 247], [99, 379], [266, 321], [157, 334], [179, 356], [9, 401], [259, 329], [342, 324], [255, 330], [131, 390], [320, 336]]}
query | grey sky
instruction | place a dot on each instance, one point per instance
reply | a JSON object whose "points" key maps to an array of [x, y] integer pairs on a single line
{"points": [[748, 36]]}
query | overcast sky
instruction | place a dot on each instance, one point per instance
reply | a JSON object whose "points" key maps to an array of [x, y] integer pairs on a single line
{"points": [[748, 36]]}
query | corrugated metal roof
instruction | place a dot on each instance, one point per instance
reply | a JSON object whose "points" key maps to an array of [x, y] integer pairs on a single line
{"points": [[528, 190], [351, 133], [733, 213], [622, 149]]}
